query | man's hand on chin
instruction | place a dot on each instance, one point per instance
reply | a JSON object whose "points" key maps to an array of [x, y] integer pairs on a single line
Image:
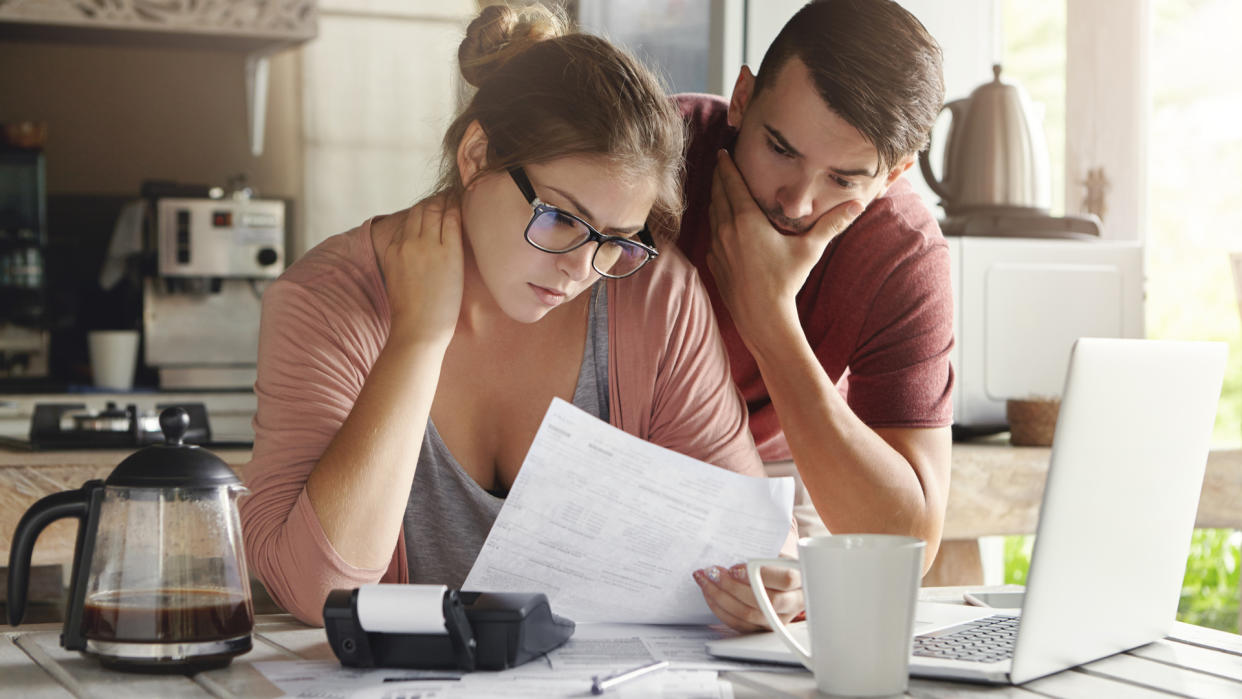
{"points": [[757, 268]]}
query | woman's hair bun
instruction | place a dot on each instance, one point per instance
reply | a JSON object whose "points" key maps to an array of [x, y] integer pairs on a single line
{"points": [[501, 32]]}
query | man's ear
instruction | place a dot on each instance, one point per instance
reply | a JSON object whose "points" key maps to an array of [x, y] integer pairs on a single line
{"points": [[471, 154], [743, 90], [899, 169]]}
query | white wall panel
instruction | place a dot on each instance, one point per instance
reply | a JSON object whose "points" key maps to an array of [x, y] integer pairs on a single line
{"points": [[380, 86]]}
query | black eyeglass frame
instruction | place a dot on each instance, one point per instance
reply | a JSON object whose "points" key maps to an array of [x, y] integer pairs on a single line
{"points": [[538, 208]]}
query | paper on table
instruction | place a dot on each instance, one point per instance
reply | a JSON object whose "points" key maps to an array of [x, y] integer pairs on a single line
{"points": [[328, 679], [611, 527], [623, 646], [320, 679]]}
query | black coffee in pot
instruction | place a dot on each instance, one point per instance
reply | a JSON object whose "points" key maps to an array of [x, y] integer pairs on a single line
{"points": [[166, 616]]}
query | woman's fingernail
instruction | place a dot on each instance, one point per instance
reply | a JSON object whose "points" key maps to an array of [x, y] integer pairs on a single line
{"points": [[714, 573], [698, 576], [738, 572]]}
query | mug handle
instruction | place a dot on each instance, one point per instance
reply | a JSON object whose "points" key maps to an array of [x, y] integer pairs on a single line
{"points": [[765, 604]]}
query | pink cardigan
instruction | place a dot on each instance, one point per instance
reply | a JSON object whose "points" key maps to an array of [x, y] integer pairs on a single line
{"points": [[326, 320]]}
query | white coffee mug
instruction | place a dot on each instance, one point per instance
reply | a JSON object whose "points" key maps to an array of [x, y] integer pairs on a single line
{"points": [[861, 591], [114, 354]]}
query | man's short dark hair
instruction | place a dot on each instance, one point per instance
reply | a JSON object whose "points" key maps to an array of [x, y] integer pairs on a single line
{"points": [[873, 63]]}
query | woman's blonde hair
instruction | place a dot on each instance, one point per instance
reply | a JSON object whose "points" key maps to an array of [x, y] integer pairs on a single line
{"points": [[545, 92]]}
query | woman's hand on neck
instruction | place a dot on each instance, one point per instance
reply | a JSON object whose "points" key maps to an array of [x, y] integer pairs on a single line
{"points": [[421, 256]]}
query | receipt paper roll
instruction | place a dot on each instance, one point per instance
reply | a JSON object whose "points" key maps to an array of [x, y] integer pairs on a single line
{"points": [[388, 608]]}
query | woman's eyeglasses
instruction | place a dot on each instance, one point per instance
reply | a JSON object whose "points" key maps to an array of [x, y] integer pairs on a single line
{"points": [[557, 231]]}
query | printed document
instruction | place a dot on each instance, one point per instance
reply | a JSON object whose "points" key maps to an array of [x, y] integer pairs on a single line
{"points": [[594, 649], [611, 527], [326, 679]]}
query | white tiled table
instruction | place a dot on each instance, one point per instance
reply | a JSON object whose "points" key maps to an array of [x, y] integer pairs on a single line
{"points": [[1191, 662]]}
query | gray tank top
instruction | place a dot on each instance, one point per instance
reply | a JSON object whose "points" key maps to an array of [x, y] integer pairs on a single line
{"points": [[448, 514]]}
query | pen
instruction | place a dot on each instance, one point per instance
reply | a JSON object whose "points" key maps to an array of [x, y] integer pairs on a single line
{"points": [[599, 684]]}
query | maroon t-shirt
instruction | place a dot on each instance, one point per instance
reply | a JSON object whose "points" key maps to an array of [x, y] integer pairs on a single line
{"points": [[877, 308]]}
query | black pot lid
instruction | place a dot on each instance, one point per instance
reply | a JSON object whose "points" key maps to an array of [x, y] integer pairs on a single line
{"points": [[172, 464]]}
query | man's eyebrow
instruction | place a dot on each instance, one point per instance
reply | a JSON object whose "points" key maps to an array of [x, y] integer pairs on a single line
{"points": [[856, 172], [586, 213], [785, 145], [781, 141]]}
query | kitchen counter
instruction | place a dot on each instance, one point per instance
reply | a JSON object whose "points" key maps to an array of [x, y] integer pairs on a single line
{"points": [[93, 461], [996, 489], [26, 476]]}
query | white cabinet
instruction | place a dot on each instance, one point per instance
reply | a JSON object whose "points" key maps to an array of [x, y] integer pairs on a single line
{"points": [[258, 28], [1019, 305], [251, 24]]}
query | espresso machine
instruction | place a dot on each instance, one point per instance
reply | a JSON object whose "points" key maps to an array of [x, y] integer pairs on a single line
{"points": [[213, 256]]}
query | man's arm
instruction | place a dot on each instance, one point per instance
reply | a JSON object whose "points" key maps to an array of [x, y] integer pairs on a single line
{"points": [[889, 480], [892, 480]]}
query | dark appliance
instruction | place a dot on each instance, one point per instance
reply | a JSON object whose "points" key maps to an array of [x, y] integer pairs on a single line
{"points": [[443, 628], [23, 243]]}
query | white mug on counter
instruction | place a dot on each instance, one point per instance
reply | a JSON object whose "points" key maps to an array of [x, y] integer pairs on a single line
{"points": [[114, 354], [861, 591]]}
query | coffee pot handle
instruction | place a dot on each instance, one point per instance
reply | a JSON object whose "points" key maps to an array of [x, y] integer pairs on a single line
{"points": [[70, 503], [942, 186]]}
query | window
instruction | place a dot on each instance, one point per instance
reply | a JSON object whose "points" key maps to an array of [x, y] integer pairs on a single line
{"points": [[1195, 161], [1033, 56], [1194, 224], [1174, 187]]}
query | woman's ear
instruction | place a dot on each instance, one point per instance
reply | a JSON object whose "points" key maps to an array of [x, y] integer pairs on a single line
{"points": [[471, 154]]}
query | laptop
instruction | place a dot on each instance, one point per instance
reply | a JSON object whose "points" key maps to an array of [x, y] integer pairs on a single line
{"points": [[1119, 505]]}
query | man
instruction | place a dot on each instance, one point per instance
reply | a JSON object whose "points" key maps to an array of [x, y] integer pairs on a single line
{"points": [[828, 275]]}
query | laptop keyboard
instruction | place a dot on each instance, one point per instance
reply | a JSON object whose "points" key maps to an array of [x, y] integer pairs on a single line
{"points": [[986, 640]]}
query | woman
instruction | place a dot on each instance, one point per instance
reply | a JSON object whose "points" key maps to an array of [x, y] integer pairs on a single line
{"points": [[452, 325]]}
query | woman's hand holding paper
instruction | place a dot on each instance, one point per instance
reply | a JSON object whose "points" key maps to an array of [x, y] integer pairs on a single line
{"points": [[728, 594]]}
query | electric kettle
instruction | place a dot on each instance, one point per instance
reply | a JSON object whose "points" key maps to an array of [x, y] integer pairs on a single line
{"points": [[995, 156], [159, 580]]}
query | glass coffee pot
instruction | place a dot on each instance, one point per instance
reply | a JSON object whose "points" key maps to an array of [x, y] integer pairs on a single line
{"points": [[159, 579]]}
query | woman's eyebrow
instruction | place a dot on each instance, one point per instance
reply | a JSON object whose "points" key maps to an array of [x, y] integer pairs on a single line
{"points": [[586, 213]]}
